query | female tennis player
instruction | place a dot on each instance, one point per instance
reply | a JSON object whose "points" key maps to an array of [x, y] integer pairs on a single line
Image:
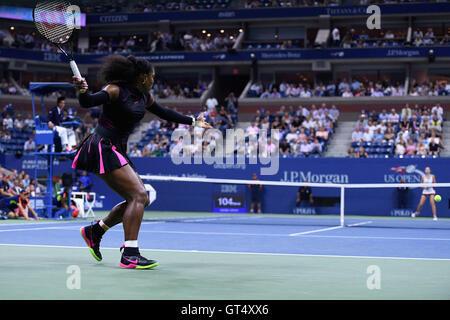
{"points": [[125, 98], [428, 192]]}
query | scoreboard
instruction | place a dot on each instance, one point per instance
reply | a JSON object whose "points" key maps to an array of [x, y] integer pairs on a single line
{"points": [[229, 198]]}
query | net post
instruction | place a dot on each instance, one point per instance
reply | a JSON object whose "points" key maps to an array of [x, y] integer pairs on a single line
{"points": [[342, 203]]}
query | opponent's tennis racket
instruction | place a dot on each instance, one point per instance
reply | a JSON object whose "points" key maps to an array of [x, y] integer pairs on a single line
{"points": [[55, 21]]}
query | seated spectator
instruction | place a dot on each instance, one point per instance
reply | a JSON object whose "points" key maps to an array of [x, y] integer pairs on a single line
{"points": [[433, 148], [393, 117], [400, 148], [252, 129], [378, 136], [284, 148], [367, 136], [435, 123], [357, 135], [383, 116], [136, 152], [351, 152], [29, 122], [347, 93], [361, 153], [29, 145], [316, 147], [8, 122], [422, 149], [411, 148], [305, 148], [322, 134]]}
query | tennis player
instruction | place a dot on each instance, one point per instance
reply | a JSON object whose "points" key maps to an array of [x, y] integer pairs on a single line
{"points": [[428, 192], [125, 98]]}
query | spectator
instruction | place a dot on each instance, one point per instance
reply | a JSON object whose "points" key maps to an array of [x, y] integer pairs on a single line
{"points": [[252, 129], [361, 153], [422, 149], [26, 180], [351, 152], [347, 94], [378, 136], [400, 148], [406, 113], [29, 122], [29, 145], [393, 117], [367, 135], [433, 148], [136, 152], [8, 122], [357, 135], [285, 148], [211, 104], [411, 148], [316, 147], [336, 37], [305, 148]]}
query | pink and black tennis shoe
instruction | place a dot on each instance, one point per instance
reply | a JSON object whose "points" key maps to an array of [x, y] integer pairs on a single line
{"points": [[132, 259], [92, 235]]}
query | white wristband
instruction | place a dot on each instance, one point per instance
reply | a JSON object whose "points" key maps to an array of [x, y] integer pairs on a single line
{"points": [[193, 121]]}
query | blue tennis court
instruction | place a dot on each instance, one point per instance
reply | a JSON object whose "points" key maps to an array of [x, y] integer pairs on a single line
{"points": [[300, 257]]}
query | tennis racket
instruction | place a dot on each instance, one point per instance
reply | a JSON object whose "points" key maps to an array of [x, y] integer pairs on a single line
{"points": [[55, 21]]}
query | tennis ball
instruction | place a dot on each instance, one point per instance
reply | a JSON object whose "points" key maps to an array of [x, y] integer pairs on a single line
{"points": [[437, 198]]}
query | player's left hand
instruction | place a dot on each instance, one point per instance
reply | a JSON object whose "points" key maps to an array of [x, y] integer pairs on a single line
{"points": [[201, 122]]}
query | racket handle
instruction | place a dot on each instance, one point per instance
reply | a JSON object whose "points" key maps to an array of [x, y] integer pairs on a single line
{"points": [[76, 72]]}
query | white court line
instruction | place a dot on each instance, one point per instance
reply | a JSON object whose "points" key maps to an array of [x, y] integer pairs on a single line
{"points": [[314, 231], [37, 229], [359, 223], [306, 234], [237, 252], [6, 225]]}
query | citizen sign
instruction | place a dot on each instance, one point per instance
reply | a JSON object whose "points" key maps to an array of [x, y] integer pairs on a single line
{"points": [[112, 19]]}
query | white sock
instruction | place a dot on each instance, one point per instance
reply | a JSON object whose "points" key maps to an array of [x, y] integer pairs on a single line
{"points": [[103, 225], [131, 243]]}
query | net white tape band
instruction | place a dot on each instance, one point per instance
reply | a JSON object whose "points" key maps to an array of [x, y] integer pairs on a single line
{"points": [[295, 184]]}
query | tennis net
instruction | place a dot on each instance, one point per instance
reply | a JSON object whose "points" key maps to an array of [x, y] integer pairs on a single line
{"points": [[229, 201]]}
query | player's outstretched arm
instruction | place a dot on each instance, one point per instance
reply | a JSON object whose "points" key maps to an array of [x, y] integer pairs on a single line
{"points": [[173, 116]]}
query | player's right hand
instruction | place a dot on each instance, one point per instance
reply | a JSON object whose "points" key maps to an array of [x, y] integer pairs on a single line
{"points": [[80, 84]]}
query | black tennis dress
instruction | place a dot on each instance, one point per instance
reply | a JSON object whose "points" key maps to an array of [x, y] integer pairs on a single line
{"points": [[106, 149]]}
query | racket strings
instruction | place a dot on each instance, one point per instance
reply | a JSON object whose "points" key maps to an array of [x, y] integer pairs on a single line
{"points": [[53, 21]]}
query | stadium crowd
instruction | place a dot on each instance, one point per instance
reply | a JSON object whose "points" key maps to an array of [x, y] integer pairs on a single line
{"points": [[212, 40], [302, 132], [341, 88], [414, 131]]}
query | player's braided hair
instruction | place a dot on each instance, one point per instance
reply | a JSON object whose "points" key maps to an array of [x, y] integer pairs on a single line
{"points": [[117, 68]]}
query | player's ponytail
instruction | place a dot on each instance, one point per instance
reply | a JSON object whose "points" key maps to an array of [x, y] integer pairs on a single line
{"points": [[117, 68]]}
